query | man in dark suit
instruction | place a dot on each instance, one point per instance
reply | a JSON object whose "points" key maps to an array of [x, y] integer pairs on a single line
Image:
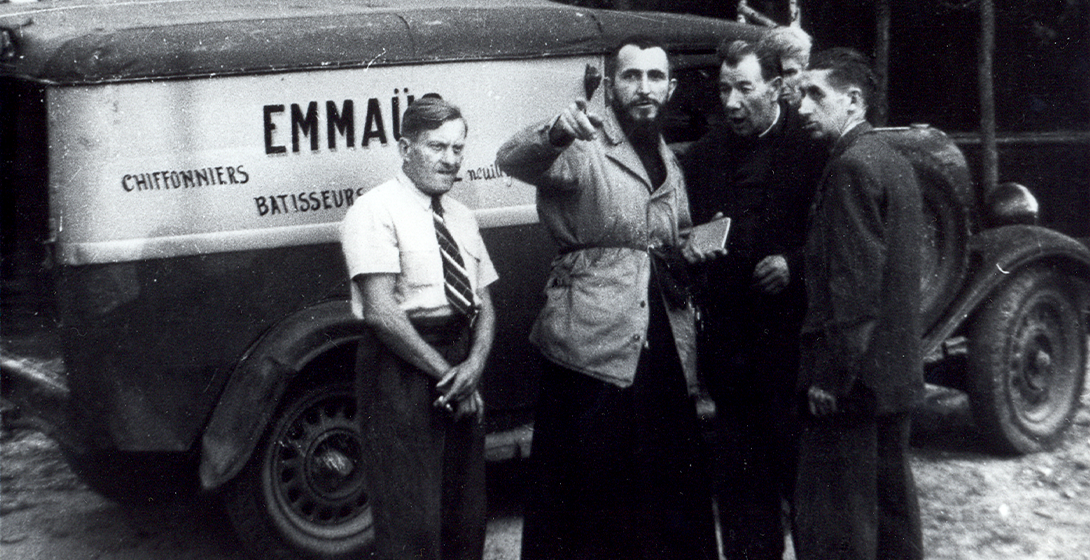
{"points": [[861, 367]]}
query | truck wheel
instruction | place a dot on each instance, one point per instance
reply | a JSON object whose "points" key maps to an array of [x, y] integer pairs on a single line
{"points": [[303, 493], [1027, 361]]}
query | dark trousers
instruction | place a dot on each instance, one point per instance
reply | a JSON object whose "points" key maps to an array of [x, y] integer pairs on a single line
{"points": [[855, 496], [749, 366], [618, 473], [426, 472], [753, 469]]}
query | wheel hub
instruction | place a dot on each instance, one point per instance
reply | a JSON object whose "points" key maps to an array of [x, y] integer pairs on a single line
{"points": [[1033, 373], [317, 471], [331, 468], [334, 463], [1040, 370]]}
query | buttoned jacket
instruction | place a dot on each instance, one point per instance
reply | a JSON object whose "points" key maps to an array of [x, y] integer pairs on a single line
{"points": [[598, 203], [862, 261]]}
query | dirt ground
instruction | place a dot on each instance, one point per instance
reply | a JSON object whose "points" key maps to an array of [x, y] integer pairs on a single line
{"points": [[975, 505]]}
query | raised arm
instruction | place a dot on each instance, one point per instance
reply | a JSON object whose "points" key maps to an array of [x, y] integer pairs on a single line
{"points": [[533, 155]]}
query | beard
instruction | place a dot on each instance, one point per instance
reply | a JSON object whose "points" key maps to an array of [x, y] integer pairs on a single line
{"points": [[639, 131]]}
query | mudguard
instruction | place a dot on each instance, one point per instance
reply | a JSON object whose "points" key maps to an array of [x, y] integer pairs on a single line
{"points": [[258, 382], [999, 252]]}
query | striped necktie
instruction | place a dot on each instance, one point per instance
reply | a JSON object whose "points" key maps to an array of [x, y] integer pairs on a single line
{"points": [[455, 278]]}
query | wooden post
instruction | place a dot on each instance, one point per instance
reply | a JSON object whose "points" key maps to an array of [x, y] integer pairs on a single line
{"points": [[883, 16], [746, 13], [989, 153]]}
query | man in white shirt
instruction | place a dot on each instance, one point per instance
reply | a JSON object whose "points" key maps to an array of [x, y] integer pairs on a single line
{"points": [[420, 276]]}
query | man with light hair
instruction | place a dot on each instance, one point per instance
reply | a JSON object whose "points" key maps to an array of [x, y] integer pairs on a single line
{"points": [[791, 47]]}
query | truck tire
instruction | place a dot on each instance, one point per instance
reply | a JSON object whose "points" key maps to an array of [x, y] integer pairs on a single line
{"points": [[949, 213], [303, 492], [945, 248], [1027, 361]]}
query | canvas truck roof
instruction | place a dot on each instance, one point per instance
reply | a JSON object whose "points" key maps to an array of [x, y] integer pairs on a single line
{"points": [[74, 42]]}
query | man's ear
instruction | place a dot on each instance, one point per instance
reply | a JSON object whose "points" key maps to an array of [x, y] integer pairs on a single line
{"points": [[403, 145], [856, 102], [777, 86], [670, 89]]}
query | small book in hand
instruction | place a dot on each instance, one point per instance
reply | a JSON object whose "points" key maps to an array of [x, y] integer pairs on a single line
{"points": [[710, 236]]}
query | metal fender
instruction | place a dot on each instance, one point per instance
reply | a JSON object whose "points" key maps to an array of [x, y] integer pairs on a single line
{"points": [[259, 380], [1001, 251]]}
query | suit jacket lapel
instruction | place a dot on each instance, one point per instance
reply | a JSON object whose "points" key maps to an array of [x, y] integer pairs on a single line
{"points": [[842, 145], [838, 150], [849, 138]]}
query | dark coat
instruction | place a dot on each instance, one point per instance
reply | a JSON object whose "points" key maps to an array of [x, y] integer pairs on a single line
{"points": [[764, 185], [863, 275], [748, 349]]}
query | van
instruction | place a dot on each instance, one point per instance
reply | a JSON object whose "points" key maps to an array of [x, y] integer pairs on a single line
{"points": [[174, 300], [175, 173]]}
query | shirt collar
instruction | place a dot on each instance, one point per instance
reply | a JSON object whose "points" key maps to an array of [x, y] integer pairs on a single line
{"points": [[850, 127], [418, 195], [854, 131]]}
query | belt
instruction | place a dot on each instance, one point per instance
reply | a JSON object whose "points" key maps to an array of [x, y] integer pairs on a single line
{"points": [[441, 331], [584, 246]]}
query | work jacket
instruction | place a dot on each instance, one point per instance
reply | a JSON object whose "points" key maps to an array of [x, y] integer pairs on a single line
{"points": [[596, 200]]}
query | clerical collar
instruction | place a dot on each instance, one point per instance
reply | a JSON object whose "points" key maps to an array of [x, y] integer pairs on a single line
{"points": [[774, 122]]}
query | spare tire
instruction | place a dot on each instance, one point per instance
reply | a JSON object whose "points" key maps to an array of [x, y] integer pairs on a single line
{"points": [[949, 208]]}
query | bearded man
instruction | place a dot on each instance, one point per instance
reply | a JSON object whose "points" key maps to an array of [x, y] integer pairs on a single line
{"points": [[617, 472]]}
